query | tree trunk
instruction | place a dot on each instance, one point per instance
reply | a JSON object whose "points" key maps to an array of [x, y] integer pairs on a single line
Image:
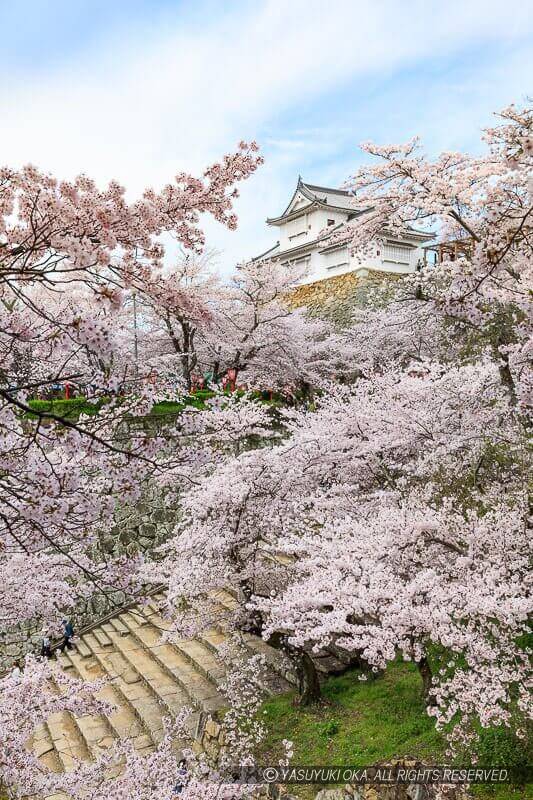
{"points": [[308, 684], [249, 621], [188, 360], [506, 376], [427, 677], [252, 622]]}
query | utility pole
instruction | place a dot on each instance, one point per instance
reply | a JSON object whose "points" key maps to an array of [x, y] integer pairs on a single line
{"points": [[135, 341]]}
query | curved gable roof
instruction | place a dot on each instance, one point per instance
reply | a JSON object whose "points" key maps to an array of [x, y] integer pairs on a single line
{"points": [[301, 188], [340, 199]]}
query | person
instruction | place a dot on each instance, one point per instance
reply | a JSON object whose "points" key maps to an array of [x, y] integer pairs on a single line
{"points": [[46, 651], [68, 635], [181, 776], [17, 670]]}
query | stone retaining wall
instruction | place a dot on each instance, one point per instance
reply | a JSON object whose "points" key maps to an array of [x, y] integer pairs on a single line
{"points": [[337, 298], [210, 739], [141, 528]]}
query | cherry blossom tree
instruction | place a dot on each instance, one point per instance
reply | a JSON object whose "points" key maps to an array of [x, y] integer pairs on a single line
{"points": [[442, 527], [67, 252], [402, 539], [259, 337], [391, 519], [70, 254], [59, 234], [179, 310], [199, 326], [485, 203]]}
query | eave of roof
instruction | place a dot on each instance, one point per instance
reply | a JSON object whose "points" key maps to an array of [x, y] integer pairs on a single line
{"points": [[314, 188], [350, 213], [422, 236], [298, 248], [267, 252], [309, 190], [292, 214], [338, 245]]}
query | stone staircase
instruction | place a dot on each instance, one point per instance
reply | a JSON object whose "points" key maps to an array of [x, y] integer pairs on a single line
{"points": [[149, 679]]}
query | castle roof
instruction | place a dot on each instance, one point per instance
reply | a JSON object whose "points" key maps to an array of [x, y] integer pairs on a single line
{"points": [[317, 197]]}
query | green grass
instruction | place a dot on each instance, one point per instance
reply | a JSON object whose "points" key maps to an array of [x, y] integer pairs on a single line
{"points": [[72, 408], [173, 407], [362, 723], [504, 792], [359, 722]]}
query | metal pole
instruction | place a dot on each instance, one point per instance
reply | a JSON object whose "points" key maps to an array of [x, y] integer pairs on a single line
{"points": [[135, 342]]}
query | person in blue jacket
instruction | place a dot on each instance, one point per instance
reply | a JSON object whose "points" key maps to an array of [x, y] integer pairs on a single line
{"points": [[68, 635]]}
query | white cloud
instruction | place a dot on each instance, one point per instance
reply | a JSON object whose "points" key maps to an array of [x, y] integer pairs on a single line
{"points": [[141, 109]]}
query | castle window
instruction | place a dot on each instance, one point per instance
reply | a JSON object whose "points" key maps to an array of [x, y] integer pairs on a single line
{"points": [[399, 254], [331, 222]]}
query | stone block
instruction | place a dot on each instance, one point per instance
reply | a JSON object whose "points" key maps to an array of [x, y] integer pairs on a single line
{"points": [[212, 728], [148, 529], [333, 794], [211, 748]]}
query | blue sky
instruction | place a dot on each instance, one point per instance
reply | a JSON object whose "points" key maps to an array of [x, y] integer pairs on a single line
{"points": [[140, 89]]}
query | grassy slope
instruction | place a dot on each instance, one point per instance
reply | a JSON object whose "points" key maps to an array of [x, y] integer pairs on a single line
{"points": [[361, 723], [71, 409]]}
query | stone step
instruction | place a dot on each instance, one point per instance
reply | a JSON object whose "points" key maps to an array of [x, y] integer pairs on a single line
{"points": [[278, 677], [163, 680], [96, 733], [101, 636], [68, 742], [201, 657], [155, 616], [81, 647], [152, 607], [129, 684], [213, 638], [224, 598], [121, 628], [282, 678], [64, 661], [43, 747], [173, 666], [143, 616], [123, 721], [94, 730]]}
